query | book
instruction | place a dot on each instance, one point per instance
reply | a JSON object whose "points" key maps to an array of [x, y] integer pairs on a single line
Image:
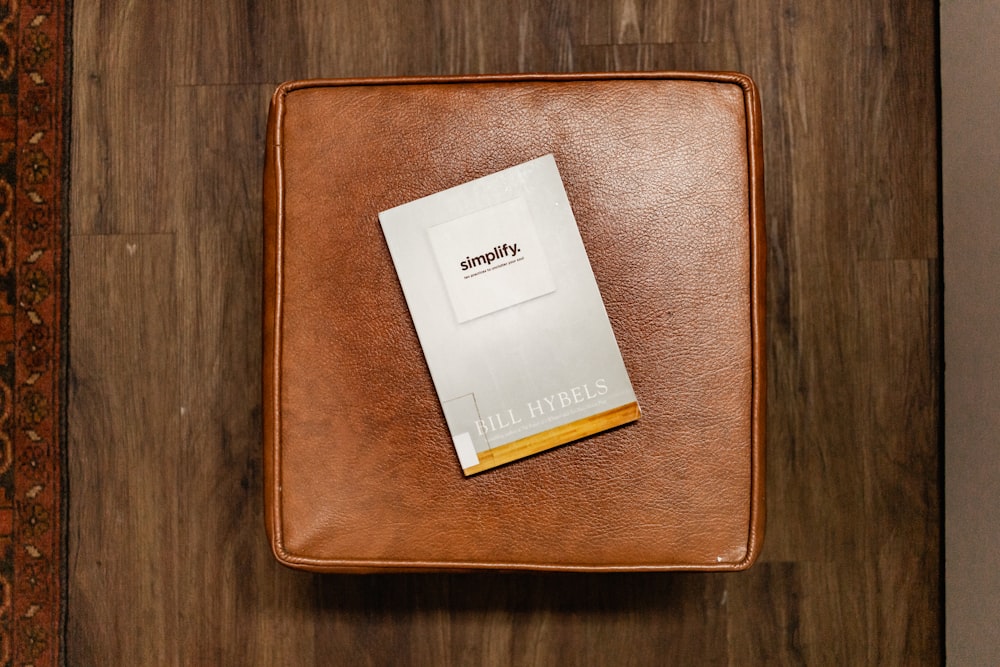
{"points": [[509, 315]]}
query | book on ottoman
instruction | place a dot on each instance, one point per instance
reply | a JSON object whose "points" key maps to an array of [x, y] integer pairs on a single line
{"points": [[509, 315], [568, 247]]}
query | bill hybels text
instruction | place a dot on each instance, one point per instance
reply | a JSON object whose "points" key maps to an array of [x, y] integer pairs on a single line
{"points": [[543, 406]]}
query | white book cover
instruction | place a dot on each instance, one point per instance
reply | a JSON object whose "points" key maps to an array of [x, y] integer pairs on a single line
{"points": [[509, 315]]}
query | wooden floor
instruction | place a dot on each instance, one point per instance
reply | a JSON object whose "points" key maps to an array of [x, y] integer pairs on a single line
{"points": [[168, 563]]}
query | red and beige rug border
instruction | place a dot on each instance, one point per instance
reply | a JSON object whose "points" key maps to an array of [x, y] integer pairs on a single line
{"points": [[34, 131]]}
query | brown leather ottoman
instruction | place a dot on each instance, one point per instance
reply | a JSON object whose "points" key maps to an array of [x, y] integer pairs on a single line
{"points": [[664, 174]]}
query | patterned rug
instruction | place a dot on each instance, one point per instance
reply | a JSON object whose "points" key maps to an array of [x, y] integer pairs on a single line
{"points": [[34, 129]]}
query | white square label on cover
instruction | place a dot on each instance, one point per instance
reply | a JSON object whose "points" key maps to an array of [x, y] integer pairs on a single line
{"points": [[491, 259]]}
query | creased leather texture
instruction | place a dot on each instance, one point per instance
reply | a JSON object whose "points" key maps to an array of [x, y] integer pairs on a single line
{"points": [[664, 174]]}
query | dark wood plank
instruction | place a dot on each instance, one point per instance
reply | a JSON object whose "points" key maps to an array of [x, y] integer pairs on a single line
{"points": [[217, 455], [804, 614], [901, 567], [123, 523], [120, 149], [169, 564], [518, 619]]}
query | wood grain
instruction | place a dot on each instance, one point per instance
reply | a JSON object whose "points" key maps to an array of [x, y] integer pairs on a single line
{"points": [[168, 562], [121, 526]]}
